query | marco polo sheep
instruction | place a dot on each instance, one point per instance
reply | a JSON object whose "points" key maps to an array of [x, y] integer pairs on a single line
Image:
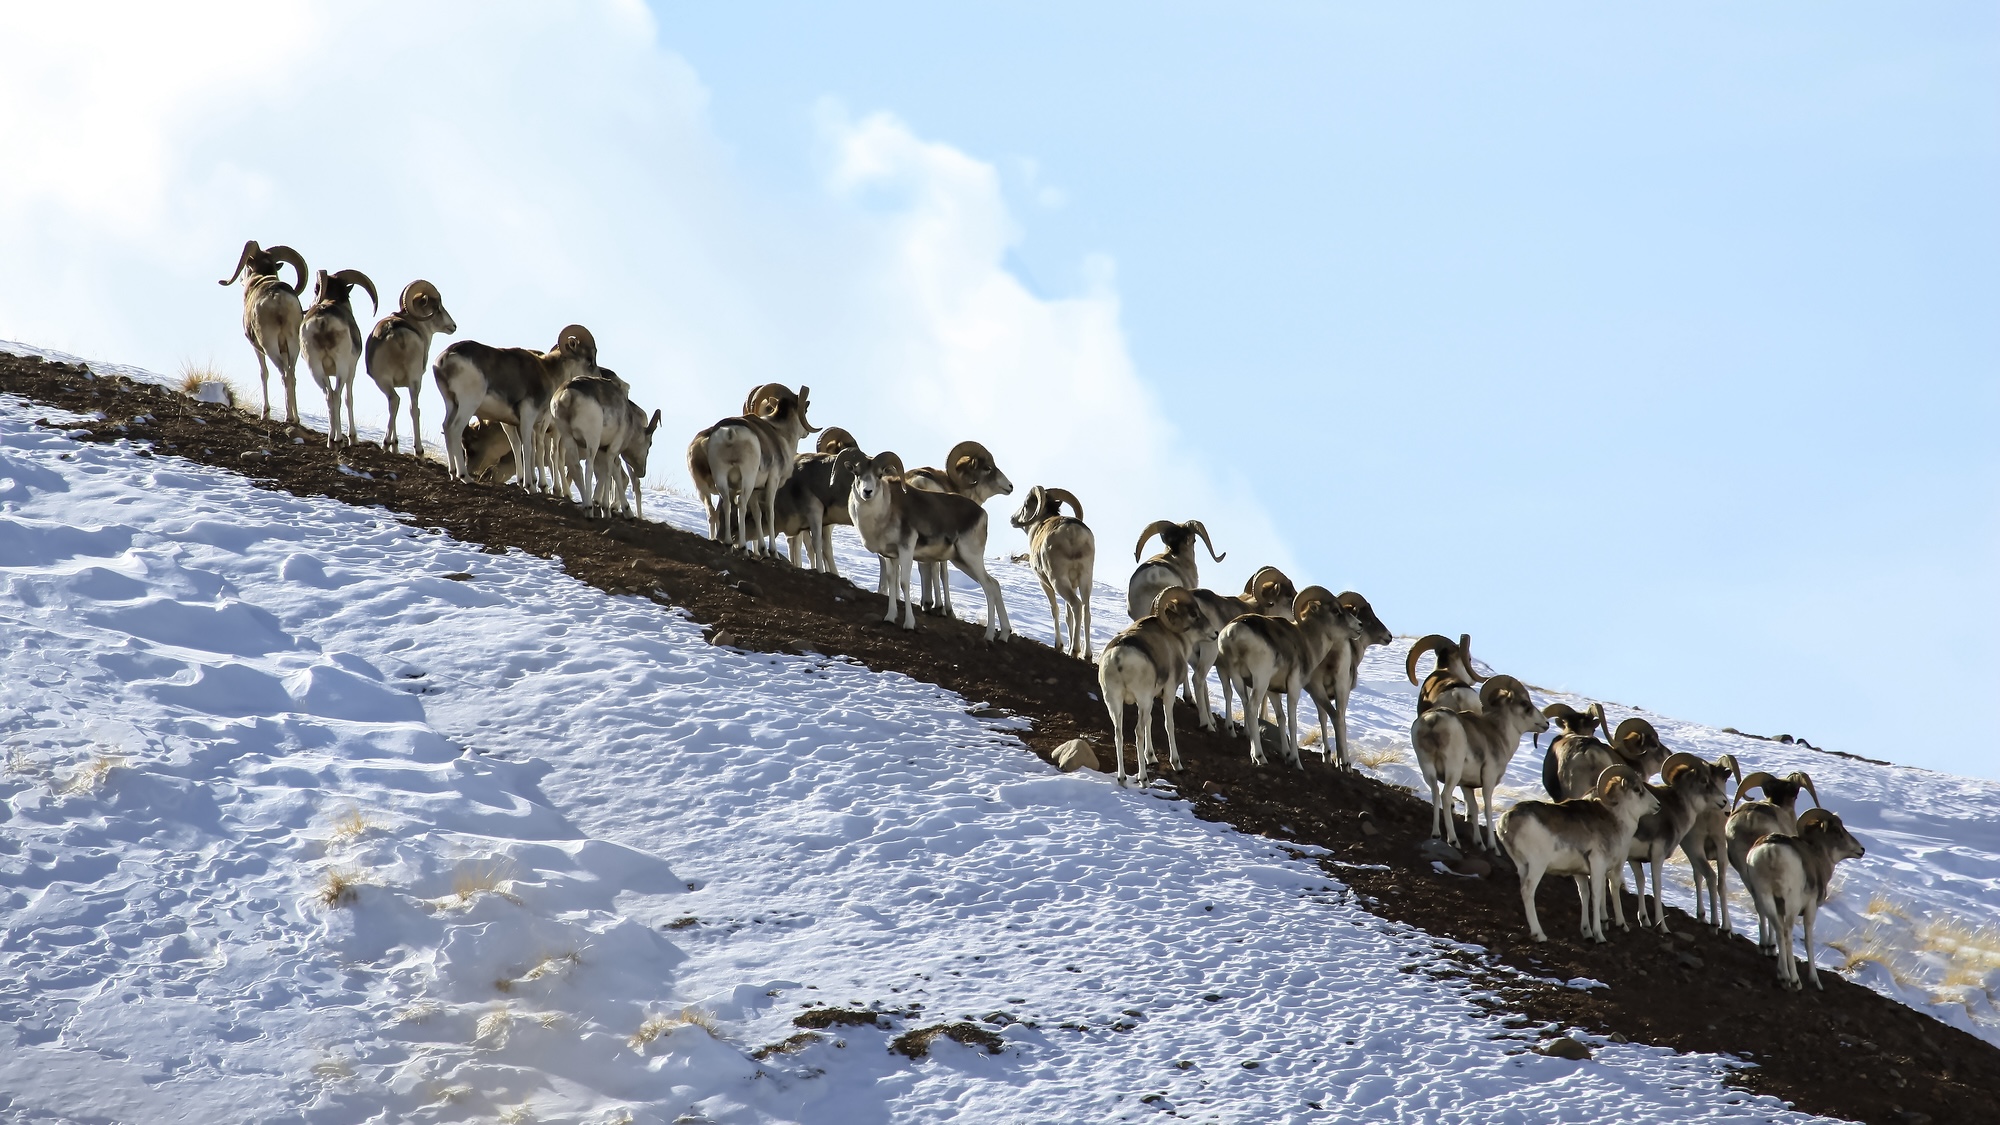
{"points": [[1332, 683], [1263, 652], [511, 386], [1063, 553], [1452, 684], [909, 525], [1140, 667], [1174, 566], [1470, 750], [271, 317], [1750, 821], [971, 472], [1585, 837], [1790, 876], [399, 349], [332, 341]]}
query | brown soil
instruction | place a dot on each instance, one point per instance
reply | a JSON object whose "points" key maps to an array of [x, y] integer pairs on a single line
{"points": [[1848, 1052]]}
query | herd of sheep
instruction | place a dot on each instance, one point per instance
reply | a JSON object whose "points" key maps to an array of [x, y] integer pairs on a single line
{"points": [[559, 423]]}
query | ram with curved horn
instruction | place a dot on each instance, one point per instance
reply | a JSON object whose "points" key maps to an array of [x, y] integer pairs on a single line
{"points": [[1173, 566], [1750, 821], [750, 458], [1268, 592], [833, 439], [908, 525], [1453, 684], [511, 386], [1690, 787], [332, 340], [1062, 551], [399, 349], [813, 500], [1790, 876], [1584, 837], [1576, 758], [1470, 750], [600, 430], [272, 314], [1706, 846], [1140, 667], [971, 472]]}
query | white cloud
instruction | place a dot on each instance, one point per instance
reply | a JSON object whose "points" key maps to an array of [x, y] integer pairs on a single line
{"points": [[548, 163]]}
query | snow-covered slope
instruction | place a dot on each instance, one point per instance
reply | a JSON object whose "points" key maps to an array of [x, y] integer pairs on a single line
{"points": [[298, 828]]}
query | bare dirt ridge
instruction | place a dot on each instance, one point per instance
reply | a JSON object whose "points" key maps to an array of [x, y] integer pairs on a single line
{"points": [[1848, 1053]]}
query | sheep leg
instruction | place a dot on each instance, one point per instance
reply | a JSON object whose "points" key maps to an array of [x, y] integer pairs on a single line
{"points": [[1586, 904], [347, 388], [1255, 689], [1812, 963], [1614, 880], [903, 560], [390, 442], [1638, 867], [1055, 614], [1086, 648], [263, 372], [1659, 861], [288, 369], [1531, 878], [1115, 704], [416, 421], [1167, 715], [1291, 720]]}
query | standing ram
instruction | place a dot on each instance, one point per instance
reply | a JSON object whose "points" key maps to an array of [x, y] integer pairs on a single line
{"points": [[1140, 667], [398, 350], [908, 525], [271, 317], [1174, 566], [1063, 553], [748, 459], [971, 472], [511, 386], [332, 339]]}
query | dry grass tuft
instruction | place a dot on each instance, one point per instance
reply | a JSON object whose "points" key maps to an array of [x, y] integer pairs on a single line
{"points": [[798, 1042], [447, 1095], [1375, 757], [551, 1020], [340, 886], [662, 1023], [349, 825], [488, 877], [91, 776], [207, 385], [1881, 906], [494, 1028], [516, 1114], [20, 764], [419, 1012], [332, 1067], [554, 965]]}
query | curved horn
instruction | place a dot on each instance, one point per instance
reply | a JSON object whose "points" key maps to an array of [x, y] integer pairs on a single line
{"points": [[1728, 762], [1152, 529], [1635, 729], [805, 409], [1805, 780], [1465, 654], [420, 298], [971, 449], [1172, 596], [1309, 596], [579, 337], [1596, 712], [1351, 600], [1432, 642], [320, 280], [891, 463], [1612, 773], [833, 439], [1262, 573], [356, 277], [1814, 817], [1060, 496], [1196, 527], [1676, 761], [1754, 781], [759, 394], [296, 260], [249, 248], [1489, 692]]}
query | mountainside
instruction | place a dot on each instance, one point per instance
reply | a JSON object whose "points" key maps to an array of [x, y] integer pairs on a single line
{"points": [[316, 813]]}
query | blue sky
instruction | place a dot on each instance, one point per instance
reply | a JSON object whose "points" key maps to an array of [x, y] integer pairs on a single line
{"points": [[1655, 348]]}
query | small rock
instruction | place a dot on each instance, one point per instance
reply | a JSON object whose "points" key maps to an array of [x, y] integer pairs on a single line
{"points": [[722, 637], [1689, 960], [1619, 1037], [1368, 828], [1252, 1064], [1563, 1047], [1439, 851], [1076, 754], [1474, 865], [749, 589], [1683, 937]]}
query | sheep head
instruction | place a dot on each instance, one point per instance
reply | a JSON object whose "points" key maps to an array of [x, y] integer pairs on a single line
{"points": [[833, 439], [260, 262], [972, 472], [340, 286], [1378, 633], [422, 301]]}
